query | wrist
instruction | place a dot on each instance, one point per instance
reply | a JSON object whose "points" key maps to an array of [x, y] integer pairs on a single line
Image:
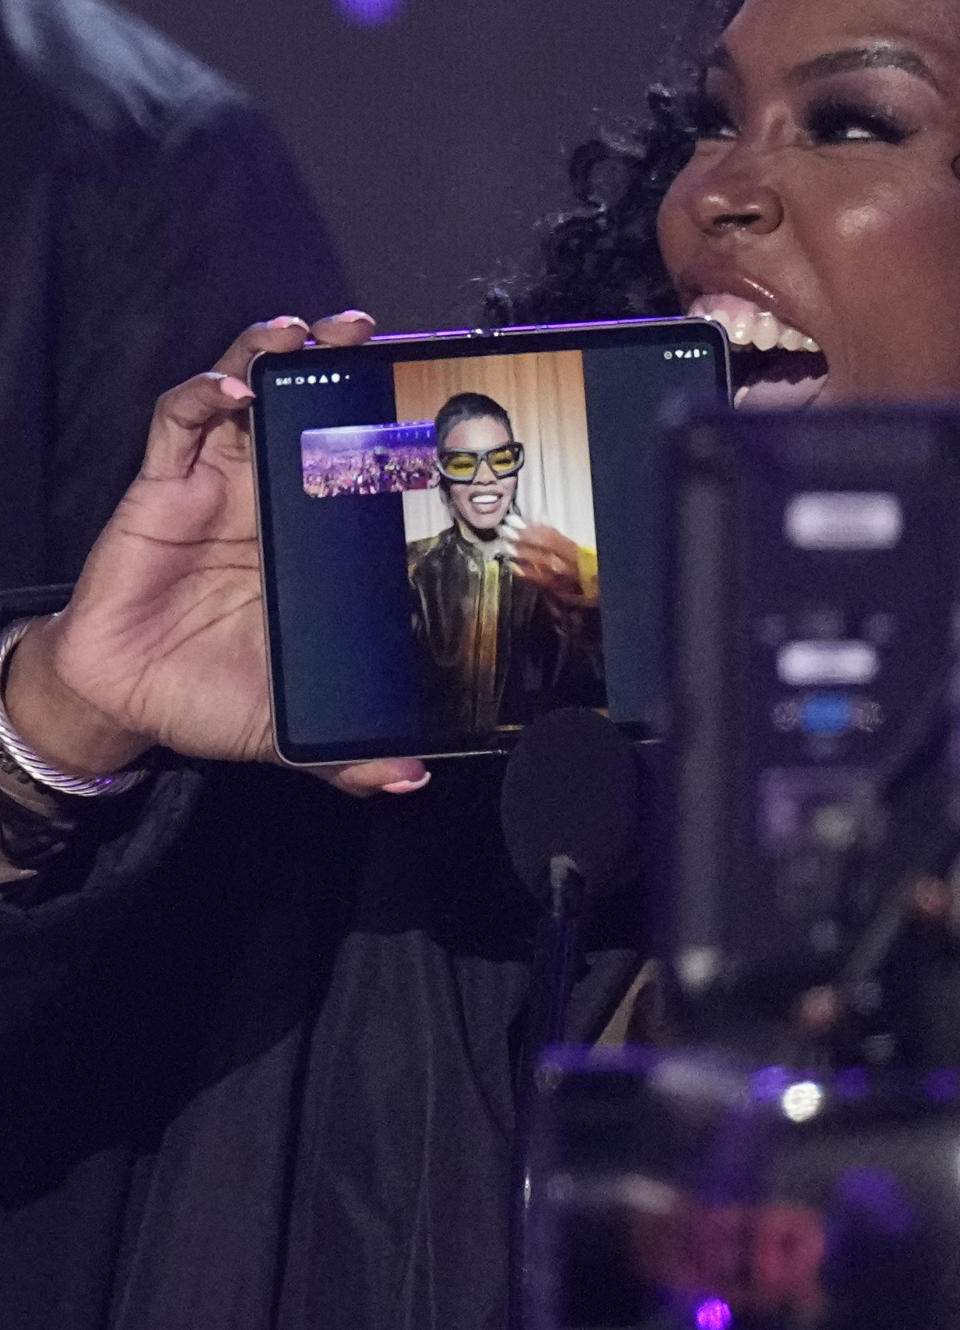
{"points": [[66, 731]]}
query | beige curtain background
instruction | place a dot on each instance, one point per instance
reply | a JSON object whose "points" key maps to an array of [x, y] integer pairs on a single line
{"points": [[544, 396]]}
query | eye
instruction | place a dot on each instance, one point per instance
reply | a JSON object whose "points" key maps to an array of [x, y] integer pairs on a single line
{"points": [[503, 459], [710, 119], [834, 122], [459, 466]]}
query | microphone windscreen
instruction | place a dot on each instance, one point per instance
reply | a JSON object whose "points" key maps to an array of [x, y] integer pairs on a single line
{"points": [[571, 787]]}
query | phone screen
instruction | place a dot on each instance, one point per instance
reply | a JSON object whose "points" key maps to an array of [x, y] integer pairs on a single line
{"points": [[460, 533]]}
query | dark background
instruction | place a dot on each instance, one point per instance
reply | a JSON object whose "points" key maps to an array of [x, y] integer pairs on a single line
{"points": [[435, 137]]}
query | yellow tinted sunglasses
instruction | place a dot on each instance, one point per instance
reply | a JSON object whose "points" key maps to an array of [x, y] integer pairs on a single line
{"points": [[462, 466]]}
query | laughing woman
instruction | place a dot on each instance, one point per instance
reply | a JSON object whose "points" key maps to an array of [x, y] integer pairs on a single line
{"points": [[806, 195], [505, 614]]}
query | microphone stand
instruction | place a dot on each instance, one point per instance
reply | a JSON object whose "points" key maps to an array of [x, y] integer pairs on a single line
{"points": [[556, 955]]}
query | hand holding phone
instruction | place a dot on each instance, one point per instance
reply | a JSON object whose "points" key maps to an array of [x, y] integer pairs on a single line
{"points": [[162, 639]]}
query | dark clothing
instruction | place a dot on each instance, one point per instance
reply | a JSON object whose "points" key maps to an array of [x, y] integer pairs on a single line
{"points": [[492, 650], [148, 214], [260, 1075], [255, 1036]]}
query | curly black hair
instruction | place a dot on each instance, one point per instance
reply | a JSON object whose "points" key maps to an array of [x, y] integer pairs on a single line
{"points": [[600, 259]]}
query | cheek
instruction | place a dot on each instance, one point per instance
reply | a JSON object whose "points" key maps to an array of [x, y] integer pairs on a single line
{"points": [[889, 246], [882, 256], [676, 233]]}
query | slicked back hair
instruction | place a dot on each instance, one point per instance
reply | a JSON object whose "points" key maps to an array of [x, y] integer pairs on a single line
{"points": [[467, 406]]}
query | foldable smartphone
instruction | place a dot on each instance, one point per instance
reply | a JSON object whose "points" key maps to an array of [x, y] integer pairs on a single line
{"points": [[462, 531]]}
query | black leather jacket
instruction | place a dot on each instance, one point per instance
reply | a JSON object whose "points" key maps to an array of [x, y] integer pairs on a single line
{"points": [[496, 651]]}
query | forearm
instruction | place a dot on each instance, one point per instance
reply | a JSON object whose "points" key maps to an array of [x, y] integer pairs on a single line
{"points": [[38, 823], [62, 728]]}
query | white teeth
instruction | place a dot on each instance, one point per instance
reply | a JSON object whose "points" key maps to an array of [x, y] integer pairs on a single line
{"points": [[766, 332], [747, 324], [791, 340], [742, 329]]}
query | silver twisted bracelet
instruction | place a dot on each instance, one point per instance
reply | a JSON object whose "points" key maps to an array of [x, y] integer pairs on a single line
{"points": [[27, 760]]}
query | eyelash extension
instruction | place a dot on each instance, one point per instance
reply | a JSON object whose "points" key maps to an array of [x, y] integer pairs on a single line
{"points": [[828, 120], [708, 117]]}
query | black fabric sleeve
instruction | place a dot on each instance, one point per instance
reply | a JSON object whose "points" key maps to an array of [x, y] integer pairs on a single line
{"points": [[167, 251], [109, 860], [173, 227], [35, 827]]}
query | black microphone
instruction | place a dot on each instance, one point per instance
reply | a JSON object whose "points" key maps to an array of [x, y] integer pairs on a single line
{"points": [[571, 789], [570, 814]]}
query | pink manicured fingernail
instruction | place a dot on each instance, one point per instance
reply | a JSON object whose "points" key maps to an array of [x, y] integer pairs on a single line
{"points": [[407, 786], [288, 321], [352, 316], [235, 388]]}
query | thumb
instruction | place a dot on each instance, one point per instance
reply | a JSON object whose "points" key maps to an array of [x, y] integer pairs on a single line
{"points": [[400, 775]]}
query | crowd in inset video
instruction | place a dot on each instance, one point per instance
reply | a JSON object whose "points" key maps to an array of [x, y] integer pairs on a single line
{"points": [[370, 471]]}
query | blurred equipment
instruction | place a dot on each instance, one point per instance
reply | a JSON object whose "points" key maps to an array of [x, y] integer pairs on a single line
{"points": [[814, 661], [681, 1192], [815, 828]]}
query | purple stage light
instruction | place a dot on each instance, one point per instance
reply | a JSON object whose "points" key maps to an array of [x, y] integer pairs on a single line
{"points": [[851, 1084], [878, 1198], [371, 12], [767, 1086], [941, 1087], [714, 1315]]}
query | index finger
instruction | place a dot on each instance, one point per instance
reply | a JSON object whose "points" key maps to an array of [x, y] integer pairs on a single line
{"points": [[349, 328], [285, 333], [288, 333]]}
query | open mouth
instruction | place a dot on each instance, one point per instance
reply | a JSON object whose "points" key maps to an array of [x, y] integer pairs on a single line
{"points": [[774, 365], [486, 503]]}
